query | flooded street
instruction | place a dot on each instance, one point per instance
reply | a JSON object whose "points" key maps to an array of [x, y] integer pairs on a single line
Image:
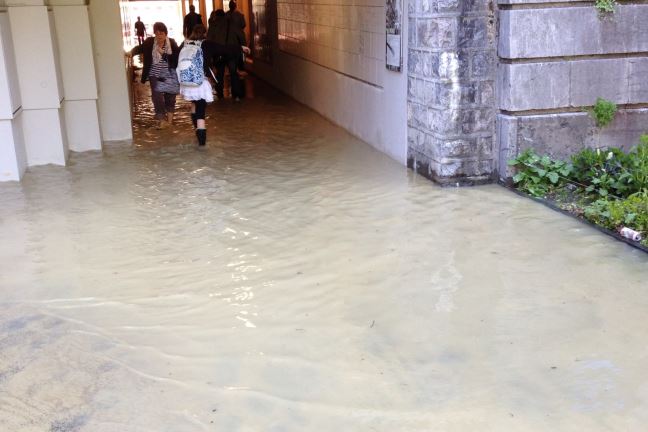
{"points": [[291, 278]]}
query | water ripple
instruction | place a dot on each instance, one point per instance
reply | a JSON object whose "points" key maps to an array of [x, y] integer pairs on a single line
{"points": [[288, 277]]}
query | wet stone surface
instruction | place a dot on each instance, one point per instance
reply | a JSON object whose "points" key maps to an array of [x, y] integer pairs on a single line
{"points": [[290, 278]]}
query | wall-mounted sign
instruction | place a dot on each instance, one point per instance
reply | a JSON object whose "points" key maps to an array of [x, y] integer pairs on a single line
{"points": [[394, 25]]}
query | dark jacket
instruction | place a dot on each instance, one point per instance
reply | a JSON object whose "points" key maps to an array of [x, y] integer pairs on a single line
{"points": [[235, 26], [217, 31], [147, 50], [140, 28], [190, 21]]}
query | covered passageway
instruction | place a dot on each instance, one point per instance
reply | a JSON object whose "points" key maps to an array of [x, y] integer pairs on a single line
{"points": [[292, 275], [76, 95]]}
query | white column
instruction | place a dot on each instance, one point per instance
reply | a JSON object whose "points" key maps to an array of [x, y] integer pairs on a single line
{"points": [[13, 158], [78, 73], [39, 81], [114, 101]]}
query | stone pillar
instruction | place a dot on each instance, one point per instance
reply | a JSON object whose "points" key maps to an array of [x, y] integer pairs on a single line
{"points": [[13, 158], [451, 103], [78, 73], [40, 82]]}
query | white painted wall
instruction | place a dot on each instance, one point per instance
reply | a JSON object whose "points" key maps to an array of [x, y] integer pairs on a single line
{"points": [[40, 84], [75, 50], [9, 87], [78, 77], [82, 125], [342, 75], [57, 55], [345, 36], [113, 103], [35, 57], [13, 158], [45, 136]]}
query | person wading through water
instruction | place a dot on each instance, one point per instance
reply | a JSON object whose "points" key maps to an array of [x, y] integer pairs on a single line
{"points": [[160, 60], [194, 85]]}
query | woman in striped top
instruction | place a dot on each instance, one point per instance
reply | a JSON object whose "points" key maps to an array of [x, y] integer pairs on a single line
{"points": [[160, 60]]}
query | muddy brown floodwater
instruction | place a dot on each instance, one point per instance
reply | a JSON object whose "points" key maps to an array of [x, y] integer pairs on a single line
{"points": [[291, 278]]}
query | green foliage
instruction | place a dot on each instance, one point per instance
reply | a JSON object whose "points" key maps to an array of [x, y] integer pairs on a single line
{"points": [[637, 166], [603, 112], [538, 175], [602, 171], [605, 6], [611, 171], [598, 212], [606, 186], [613, 214]]}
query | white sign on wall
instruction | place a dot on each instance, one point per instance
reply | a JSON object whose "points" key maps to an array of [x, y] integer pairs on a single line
{"points": [[394, 25]]}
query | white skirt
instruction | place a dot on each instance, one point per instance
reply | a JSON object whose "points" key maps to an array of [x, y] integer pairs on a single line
{"points": [[203, 91]]}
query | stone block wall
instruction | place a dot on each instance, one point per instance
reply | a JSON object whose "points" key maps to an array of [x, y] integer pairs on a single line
{"points": [[452, 64], [555, 60]]}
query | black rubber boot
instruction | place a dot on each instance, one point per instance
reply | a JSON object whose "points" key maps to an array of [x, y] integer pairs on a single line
{"points": [[194, 120], [201, 134]]}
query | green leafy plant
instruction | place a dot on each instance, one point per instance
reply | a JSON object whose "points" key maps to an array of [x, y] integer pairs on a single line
{"points": [[605, 6], [643, 139], [603, 112], [605, 186], [599, 213], [611, 171], [613, 214], [538, 175], [602, 171], [637, 166]]}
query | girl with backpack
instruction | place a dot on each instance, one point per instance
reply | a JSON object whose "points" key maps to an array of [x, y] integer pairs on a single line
{"points": [[196, 57]]}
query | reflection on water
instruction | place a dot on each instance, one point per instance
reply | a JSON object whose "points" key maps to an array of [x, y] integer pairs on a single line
{"points": [[290, 278]]}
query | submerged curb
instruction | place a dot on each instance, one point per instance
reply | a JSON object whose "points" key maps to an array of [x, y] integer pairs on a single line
{"points": [[553, 206]]}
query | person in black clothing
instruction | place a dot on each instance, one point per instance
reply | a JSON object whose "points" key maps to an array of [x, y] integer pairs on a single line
{"points": [[190, 20], [237, 23], [140, 31], [234, 36], [200, 96], [217, 33], [218, 27], [160, 61]]}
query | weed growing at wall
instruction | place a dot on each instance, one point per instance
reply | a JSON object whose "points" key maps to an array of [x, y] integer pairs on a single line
{"points": [[603, 112], [605, 6], [538, 175], [612, 214], [608, 187], [603, 172]]}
